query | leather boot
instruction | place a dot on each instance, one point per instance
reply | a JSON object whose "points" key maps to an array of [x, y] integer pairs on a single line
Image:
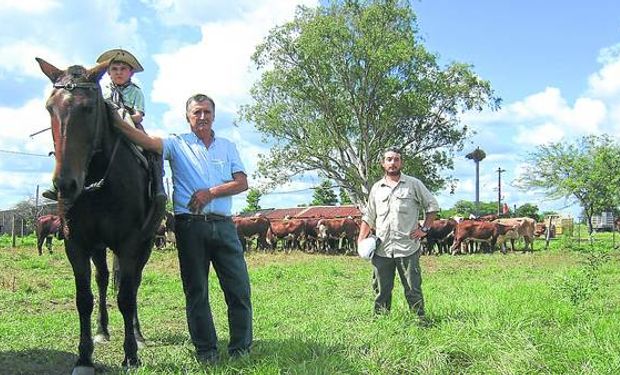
{"points": [[51, 193]]}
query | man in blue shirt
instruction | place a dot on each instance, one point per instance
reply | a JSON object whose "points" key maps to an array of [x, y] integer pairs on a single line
{"points": [[206, 172]]}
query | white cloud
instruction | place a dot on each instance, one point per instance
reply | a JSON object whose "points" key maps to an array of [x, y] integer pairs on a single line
{"points": [[606, 82], [219, 64]]}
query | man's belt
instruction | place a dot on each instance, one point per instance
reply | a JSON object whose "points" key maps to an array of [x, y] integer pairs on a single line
{"points": [[201, 217]]}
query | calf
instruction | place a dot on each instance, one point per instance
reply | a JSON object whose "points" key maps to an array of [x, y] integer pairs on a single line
{"points": [[483, 231], [522, 227]]}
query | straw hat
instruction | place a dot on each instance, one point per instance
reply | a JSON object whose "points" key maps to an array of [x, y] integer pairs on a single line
{"points": [[121, 55]]}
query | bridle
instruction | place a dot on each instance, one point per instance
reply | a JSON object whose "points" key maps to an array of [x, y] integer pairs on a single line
{"points": [[97, 143]]}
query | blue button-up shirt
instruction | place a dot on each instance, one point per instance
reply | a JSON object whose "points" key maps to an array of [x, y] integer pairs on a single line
{"points": [[194, 167]]}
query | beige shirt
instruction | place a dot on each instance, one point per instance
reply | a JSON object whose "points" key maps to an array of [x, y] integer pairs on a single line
{"points": [[394, 213]]}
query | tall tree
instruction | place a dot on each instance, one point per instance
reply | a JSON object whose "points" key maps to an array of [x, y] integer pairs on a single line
{"points": [[466, 208], [252, 200], [344, 197], [341, 82], [324, 195], [587, 172], [528, 210]]}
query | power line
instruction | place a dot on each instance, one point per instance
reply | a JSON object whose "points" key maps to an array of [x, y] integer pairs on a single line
{"points": [[23, 153]]}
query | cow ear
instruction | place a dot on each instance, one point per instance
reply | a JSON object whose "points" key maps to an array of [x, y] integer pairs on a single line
{"points": [[49, 70], [95, 74]]}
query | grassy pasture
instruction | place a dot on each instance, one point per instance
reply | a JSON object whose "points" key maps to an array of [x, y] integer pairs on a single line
{"points": [[550, 312]]}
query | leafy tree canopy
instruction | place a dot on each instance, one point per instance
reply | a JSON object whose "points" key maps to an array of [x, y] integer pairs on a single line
{"points": [[252, 200], [343, 81], [528, 210], [586, 171]]}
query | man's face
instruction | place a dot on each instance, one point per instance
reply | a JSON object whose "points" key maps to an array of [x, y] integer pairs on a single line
{"points": [[120, 73], [200, 116], [391, 163]]}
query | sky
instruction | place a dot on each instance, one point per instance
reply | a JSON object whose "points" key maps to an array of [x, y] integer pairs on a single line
{"points": [[556, 67]]}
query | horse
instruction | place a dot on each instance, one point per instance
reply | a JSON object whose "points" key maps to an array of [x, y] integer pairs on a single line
{"points": [[103, 201], [46, 227]]}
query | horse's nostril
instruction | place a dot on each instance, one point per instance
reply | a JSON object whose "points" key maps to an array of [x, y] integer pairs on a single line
{"points": [[67, 187]]}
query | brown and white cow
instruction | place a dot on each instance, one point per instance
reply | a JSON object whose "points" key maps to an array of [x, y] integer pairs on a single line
{"points": [[312, 235], [481, 231], [46, 227], [522, 227], [292, 231], [342, 230], [249, 228]]}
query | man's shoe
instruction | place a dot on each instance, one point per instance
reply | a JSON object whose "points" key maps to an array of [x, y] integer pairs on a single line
{"points": [[239, 353], [50, 193], [208, 358]]}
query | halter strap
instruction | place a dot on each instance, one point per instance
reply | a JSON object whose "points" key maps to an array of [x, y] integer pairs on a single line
{"points": [[79, 85]]}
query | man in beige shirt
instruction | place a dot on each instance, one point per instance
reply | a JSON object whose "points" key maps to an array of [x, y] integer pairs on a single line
{"points": [[393, 210]]}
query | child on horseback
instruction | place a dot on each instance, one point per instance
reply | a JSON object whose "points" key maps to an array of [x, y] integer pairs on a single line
{"points": [[127, 98]]}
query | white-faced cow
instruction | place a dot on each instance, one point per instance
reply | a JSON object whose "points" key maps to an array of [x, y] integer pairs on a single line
{"points": [[292, 231], [249, 228], [343, 231]]}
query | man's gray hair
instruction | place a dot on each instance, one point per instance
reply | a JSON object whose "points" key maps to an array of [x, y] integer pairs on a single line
{"points": [[198, 98]]}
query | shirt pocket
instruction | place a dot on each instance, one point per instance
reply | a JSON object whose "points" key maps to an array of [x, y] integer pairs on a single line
{"points": [[404, 200], [219, 169]]}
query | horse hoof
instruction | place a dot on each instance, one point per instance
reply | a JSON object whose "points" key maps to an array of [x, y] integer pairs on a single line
{"points": [[131, 364], [101, 338], [83, 370]]}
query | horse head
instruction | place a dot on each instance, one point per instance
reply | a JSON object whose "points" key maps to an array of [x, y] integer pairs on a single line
{"points": [[77, 112]]}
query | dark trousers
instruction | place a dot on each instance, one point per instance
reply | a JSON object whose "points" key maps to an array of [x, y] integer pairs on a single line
{"points": [[410, 276], [200, 243]]}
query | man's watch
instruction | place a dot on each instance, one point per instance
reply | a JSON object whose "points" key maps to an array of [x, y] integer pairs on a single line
{"points": [[425, 229]]}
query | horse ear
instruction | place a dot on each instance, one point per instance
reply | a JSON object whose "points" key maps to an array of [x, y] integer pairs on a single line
{"points": [[97, 72], [49, 70]]}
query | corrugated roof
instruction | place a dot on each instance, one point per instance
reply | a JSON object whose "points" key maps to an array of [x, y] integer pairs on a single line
{"points": [[281, 213], [331, 211]]}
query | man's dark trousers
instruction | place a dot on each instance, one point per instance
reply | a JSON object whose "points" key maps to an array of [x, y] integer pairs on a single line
{"points": [[201, 242]]}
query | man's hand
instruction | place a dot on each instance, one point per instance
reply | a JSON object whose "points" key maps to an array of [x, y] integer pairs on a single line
{"points": [[417, 234], [199, 200]]}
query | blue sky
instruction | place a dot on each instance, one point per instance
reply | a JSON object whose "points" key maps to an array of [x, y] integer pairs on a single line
{"points": [[556, 66]]}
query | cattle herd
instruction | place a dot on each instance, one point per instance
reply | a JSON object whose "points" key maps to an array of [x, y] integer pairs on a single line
{"points": [[339, 235]]}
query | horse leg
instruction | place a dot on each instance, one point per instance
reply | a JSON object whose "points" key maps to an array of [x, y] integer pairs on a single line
{"points": [[102, 277], [126, 300], [40, 245], [84, 301]]}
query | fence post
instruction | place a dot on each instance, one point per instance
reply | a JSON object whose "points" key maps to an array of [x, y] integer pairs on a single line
{"points": [[548, 237], [13, 230]]}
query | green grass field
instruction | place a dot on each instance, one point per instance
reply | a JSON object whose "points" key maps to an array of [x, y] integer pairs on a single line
{"points": [[554, 311]]}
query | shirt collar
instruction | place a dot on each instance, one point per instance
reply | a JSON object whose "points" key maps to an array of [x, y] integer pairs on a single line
{"points": [[384, 181], [195, 138]]}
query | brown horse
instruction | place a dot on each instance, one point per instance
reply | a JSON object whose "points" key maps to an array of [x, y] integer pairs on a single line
{"points": [[46, 227], [103, 202]]}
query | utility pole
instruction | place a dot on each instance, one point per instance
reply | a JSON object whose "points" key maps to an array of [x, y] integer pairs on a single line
{"points": [[499, 190]]}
